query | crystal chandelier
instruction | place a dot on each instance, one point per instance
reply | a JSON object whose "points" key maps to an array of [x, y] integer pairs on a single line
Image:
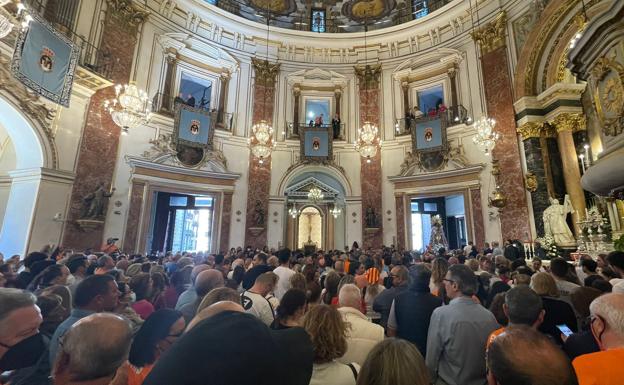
{"points": [[368, 141], [293, 212], [130, 108], [261, 142], [315, 194], [335, 211], [485, 136]]}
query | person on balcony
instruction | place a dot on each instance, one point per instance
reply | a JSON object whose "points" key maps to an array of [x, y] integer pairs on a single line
{"points": [[191, 100], [336, 126]]}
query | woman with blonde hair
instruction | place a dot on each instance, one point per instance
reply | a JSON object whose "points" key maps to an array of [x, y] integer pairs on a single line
{"points": [[394, 362], [328, 333], [558, 312], [439, 267]]}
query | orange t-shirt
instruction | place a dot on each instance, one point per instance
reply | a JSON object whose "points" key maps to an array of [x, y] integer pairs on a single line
{"points": [[492, 336], [600, 368], [136, 376]]}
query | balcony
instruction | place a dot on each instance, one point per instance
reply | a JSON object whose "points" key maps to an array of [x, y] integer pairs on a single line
{"points": [[454, 115], [164, 104], [292, 131]]}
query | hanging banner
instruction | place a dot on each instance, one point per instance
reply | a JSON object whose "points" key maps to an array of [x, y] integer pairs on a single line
{"points": [[193, 126], [315, 144], [45, 61]]}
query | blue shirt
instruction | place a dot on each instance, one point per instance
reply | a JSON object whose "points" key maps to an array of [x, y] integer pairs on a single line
{"points": [[188, 296], [75, 316]]}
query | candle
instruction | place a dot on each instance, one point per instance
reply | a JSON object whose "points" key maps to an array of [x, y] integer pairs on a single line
{"points": [[582, 162], [586, 147]]}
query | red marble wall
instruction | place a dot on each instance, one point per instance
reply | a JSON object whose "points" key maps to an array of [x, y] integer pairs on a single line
{"points": [[477, 218], [129, 242], [400, 221], [499, 99], [100, 137], [226, 218], [370, 173], [259, 174]]}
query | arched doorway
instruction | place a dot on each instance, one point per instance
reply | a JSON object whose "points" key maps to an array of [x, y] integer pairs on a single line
{"points": [[310, 229], [26, 164]]}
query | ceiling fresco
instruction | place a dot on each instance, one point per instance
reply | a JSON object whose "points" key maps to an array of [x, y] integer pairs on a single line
{"points": [[332, 15]]}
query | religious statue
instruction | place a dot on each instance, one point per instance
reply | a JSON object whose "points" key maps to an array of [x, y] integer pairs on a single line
{"points": [[555, 223], [258, 215], [94, 204], [437, 239], [372, 221]]}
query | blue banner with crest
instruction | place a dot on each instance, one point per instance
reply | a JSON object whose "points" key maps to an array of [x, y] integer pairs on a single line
{"points": [[193, 126], [45, 61]]}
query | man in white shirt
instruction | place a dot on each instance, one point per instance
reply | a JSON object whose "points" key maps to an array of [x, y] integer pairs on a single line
{"points": [[468, 249], [284, 273], [254, 300], [559, 269], [362, 335]]}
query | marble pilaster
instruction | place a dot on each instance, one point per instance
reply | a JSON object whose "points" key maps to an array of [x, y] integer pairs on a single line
{"points": [[226, 219], [477, 218], [399, 201], [129, 242]]}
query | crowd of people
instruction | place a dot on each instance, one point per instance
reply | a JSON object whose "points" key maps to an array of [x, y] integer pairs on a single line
{"points": [[352, 317]]}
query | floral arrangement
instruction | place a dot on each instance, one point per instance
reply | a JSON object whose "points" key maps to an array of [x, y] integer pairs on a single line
{"points": [[548, 244]]}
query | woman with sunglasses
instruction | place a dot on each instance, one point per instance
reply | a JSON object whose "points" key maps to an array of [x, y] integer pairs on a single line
{"points": [[160, 330]]}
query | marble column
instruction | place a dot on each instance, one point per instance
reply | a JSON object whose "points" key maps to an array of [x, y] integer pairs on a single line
{"points": [[452, 73], [259, 178], [226, 218], [100, 136], [399, 204], [296, 97], [499, 102], [224, 80], [137, 194], [370, 169], [477, 218], [566, 124], [406, 106], [168, 92]]}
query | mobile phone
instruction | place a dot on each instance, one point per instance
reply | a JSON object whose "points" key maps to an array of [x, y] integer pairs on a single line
{"points": [[565, 330]]}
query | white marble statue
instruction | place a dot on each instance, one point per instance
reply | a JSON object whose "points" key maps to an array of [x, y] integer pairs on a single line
{"points": [[555, 223]]}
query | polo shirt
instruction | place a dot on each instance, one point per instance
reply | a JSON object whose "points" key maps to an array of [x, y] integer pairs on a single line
{"points": [[75, 316], [601, 368]]}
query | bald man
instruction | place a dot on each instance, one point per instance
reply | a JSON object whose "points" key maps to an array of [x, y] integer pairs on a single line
{"points": [[509, 363], [92, 350], [189, 295], [205, 282], [607, 326]]}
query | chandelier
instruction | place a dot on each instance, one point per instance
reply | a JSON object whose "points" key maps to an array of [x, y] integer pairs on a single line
{"points": [[335, 211], [261, 142], [293, 211], [485, 136], [130, 108], [315, 194], [367, 141]]}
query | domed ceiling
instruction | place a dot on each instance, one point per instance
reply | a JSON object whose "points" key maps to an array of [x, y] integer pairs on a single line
{"points": [[331, 16]]}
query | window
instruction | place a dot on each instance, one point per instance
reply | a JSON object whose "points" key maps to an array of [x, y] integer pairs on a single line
{"points": [[178, 201], [318, 20], [430, 98], [430, 206], [421, 8], [195, 91], [203, 202], [317, 111]]}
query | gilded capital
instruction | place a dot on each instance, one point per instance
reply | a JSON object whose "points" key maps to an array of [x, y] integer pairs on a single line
{"points": [[492, 35], [368, 76], [530, 130], [126, 12], [265, 71], [569, 122]]}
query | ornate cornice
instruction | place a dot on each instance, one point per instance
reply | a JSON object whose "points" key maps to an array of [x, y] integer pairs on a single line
{"points": [[265, 71], [569, 122], [125, 11], [492, 35], [530, 130]]}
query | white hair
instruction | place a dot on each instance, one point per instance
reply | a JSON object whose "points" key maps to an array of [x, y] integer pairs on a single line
{"points": [[610, 307], [350, 296]]}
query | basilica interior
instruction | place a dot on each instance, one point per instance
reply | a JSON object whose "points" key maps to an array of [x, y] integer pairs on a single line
{"points": [[313, 124]]}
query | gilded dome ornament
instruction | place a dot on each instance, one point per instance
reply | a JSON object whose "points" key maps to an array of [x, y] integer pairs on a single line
{"points": [[608, 84]]}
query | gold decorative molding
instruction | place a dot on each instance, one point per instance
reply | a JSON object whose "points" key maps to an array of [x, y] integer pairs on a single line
{"points": [[125, 11], [492, 35], [530, 182], [265, 71], [569, 122], [530, 130], [368, 76], [607, 79]]}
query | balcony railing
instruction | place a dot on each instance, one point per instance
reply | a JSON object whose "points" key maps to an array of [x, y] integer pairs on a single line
{"points": [[293, 130], [454, 115], [165, 105]]}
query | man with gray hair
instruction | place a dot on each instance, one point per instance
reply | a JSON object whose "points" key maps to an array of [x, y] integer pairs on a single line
{"points": [[21, 345], [92, 350], [607, 326], [362, 335], [458, 333]]}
